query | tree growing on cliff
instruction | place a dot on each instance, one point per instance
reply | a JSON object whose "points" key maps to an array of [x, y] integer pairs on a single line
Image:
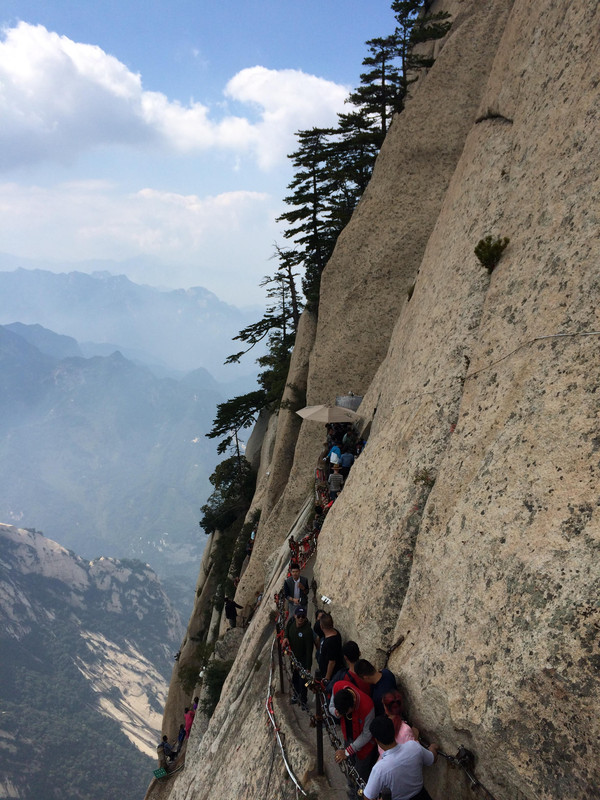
{"points": [[352, 153], [307, 218], [379, 93], [234, 483], [415, 26], [278, 326]]}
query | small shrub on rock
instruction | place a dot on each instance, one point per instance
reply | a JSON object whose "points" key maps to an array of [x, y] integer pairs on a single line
{"points": [[424, 477], [489, 251]]}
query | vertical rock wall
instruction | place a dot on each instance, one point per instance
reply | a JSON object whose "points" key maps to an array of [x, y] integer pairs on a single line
{"points": [[470, 525], [376, 259]]}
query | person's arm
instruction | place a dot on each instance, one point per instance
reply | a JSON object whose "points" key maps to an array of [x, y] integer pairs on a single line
{"points": [[332, 709], [364, 737], [330, 668], [374, 786], [433, 748], [236, 605], [373, 792]]}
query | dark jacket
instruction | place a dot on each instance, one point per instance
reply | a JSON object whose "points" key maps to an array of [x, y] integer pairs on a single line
{"points": [[288, 589], [301, 642], [230, 609]]}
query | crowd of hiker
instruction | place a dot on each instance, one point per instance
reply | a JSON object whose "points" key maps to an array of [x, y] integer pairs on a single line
{"points": [[340, 450], [366, 702]]}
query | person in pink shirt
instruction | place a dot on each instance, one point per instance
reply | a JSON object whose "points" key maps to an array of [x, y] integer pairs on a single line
{"points": [[189, 718], [392, 705]]}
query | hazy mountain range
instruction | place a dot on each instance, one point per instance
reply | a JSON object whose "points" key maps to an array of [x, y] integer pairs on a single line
{"points": [[86, 656], [104, 456], [181, 329]]}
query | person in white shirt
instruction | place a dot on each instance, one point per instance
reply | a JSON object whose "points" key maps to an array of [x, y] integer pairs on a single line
{"points": [[400, 768]]}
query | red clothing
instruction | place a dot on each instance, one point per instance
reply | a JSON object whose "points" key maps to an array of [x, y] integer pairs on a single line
{"points": [[189, 718], [362, 685], [358, 735]]}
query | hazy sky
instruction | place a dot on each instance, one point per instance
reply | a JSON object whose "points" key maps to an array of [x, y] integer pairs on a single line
{"points": [[160, 129]]}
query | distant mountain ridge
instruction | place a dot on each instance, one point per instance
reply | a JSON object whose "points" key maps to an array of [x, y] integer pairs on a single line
{"points": [[53, 344], [104, 456], [182, 328], [86, 649]]}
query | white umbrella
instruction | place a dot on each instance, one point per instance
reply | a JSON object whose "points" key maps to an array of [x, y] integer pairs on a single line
{"points": [[328, 414]]}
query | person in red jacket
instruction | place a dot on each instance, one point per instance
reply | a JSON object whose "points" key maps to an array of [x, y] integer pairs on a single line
{"points": [[189, 718], [356, 712]]}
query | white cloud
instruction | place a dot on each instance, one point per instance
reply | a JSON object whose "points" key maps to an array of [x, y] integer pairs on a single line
{"points": [[289, 100], [59, 98], [221, 242]]}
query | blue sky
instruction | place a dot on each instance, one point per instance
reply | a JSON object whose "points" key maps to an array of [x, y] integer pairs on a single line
{"points": [[154, 134]]}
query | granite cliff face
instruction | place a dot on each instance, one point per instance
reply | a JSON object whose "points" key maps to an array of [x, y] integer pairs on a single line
{"points": [[467, 533]]}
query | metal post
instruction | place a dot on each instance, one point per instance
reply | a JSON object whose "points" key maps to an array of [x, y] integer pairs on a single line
{"points": [[319, 727], [280, 665]]}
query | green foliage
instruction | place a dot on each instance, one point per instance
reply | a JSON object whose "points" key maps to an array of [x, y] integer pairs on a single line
{"points": [[489, 251], [307, 218], [213, 679], [187, 675], [380, 90], [415, 27], [234, 481], [233, 416], [333, 165]]}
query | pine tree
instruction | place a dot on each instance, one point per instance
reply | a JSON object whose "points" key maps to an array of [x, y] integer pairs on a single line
{"points": [[352, 153], [233, 481], [232, 417], [311, 186], [415, 26], [378, 93]]}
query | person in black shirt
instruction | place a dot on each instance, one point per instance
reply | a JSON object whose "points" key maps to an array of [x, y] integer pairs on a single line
{"points": [[317, 632], [298, 637], [330, 650], [231, 611], [381, 681]]}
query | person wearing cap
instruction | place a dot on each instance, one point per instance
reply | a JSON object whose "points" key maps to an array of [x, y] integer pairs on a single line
{"points": [[299, 639]]}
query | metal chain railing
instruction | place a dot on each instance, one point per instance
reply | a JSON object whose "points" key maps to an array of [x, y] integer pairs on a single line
{"points": [[271, 715], [301, 552], [316, 686]]}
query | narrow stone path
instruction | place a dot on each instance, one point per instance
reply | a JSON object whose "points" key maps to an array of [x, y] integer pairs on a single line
{"points": [[333, 785]]}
